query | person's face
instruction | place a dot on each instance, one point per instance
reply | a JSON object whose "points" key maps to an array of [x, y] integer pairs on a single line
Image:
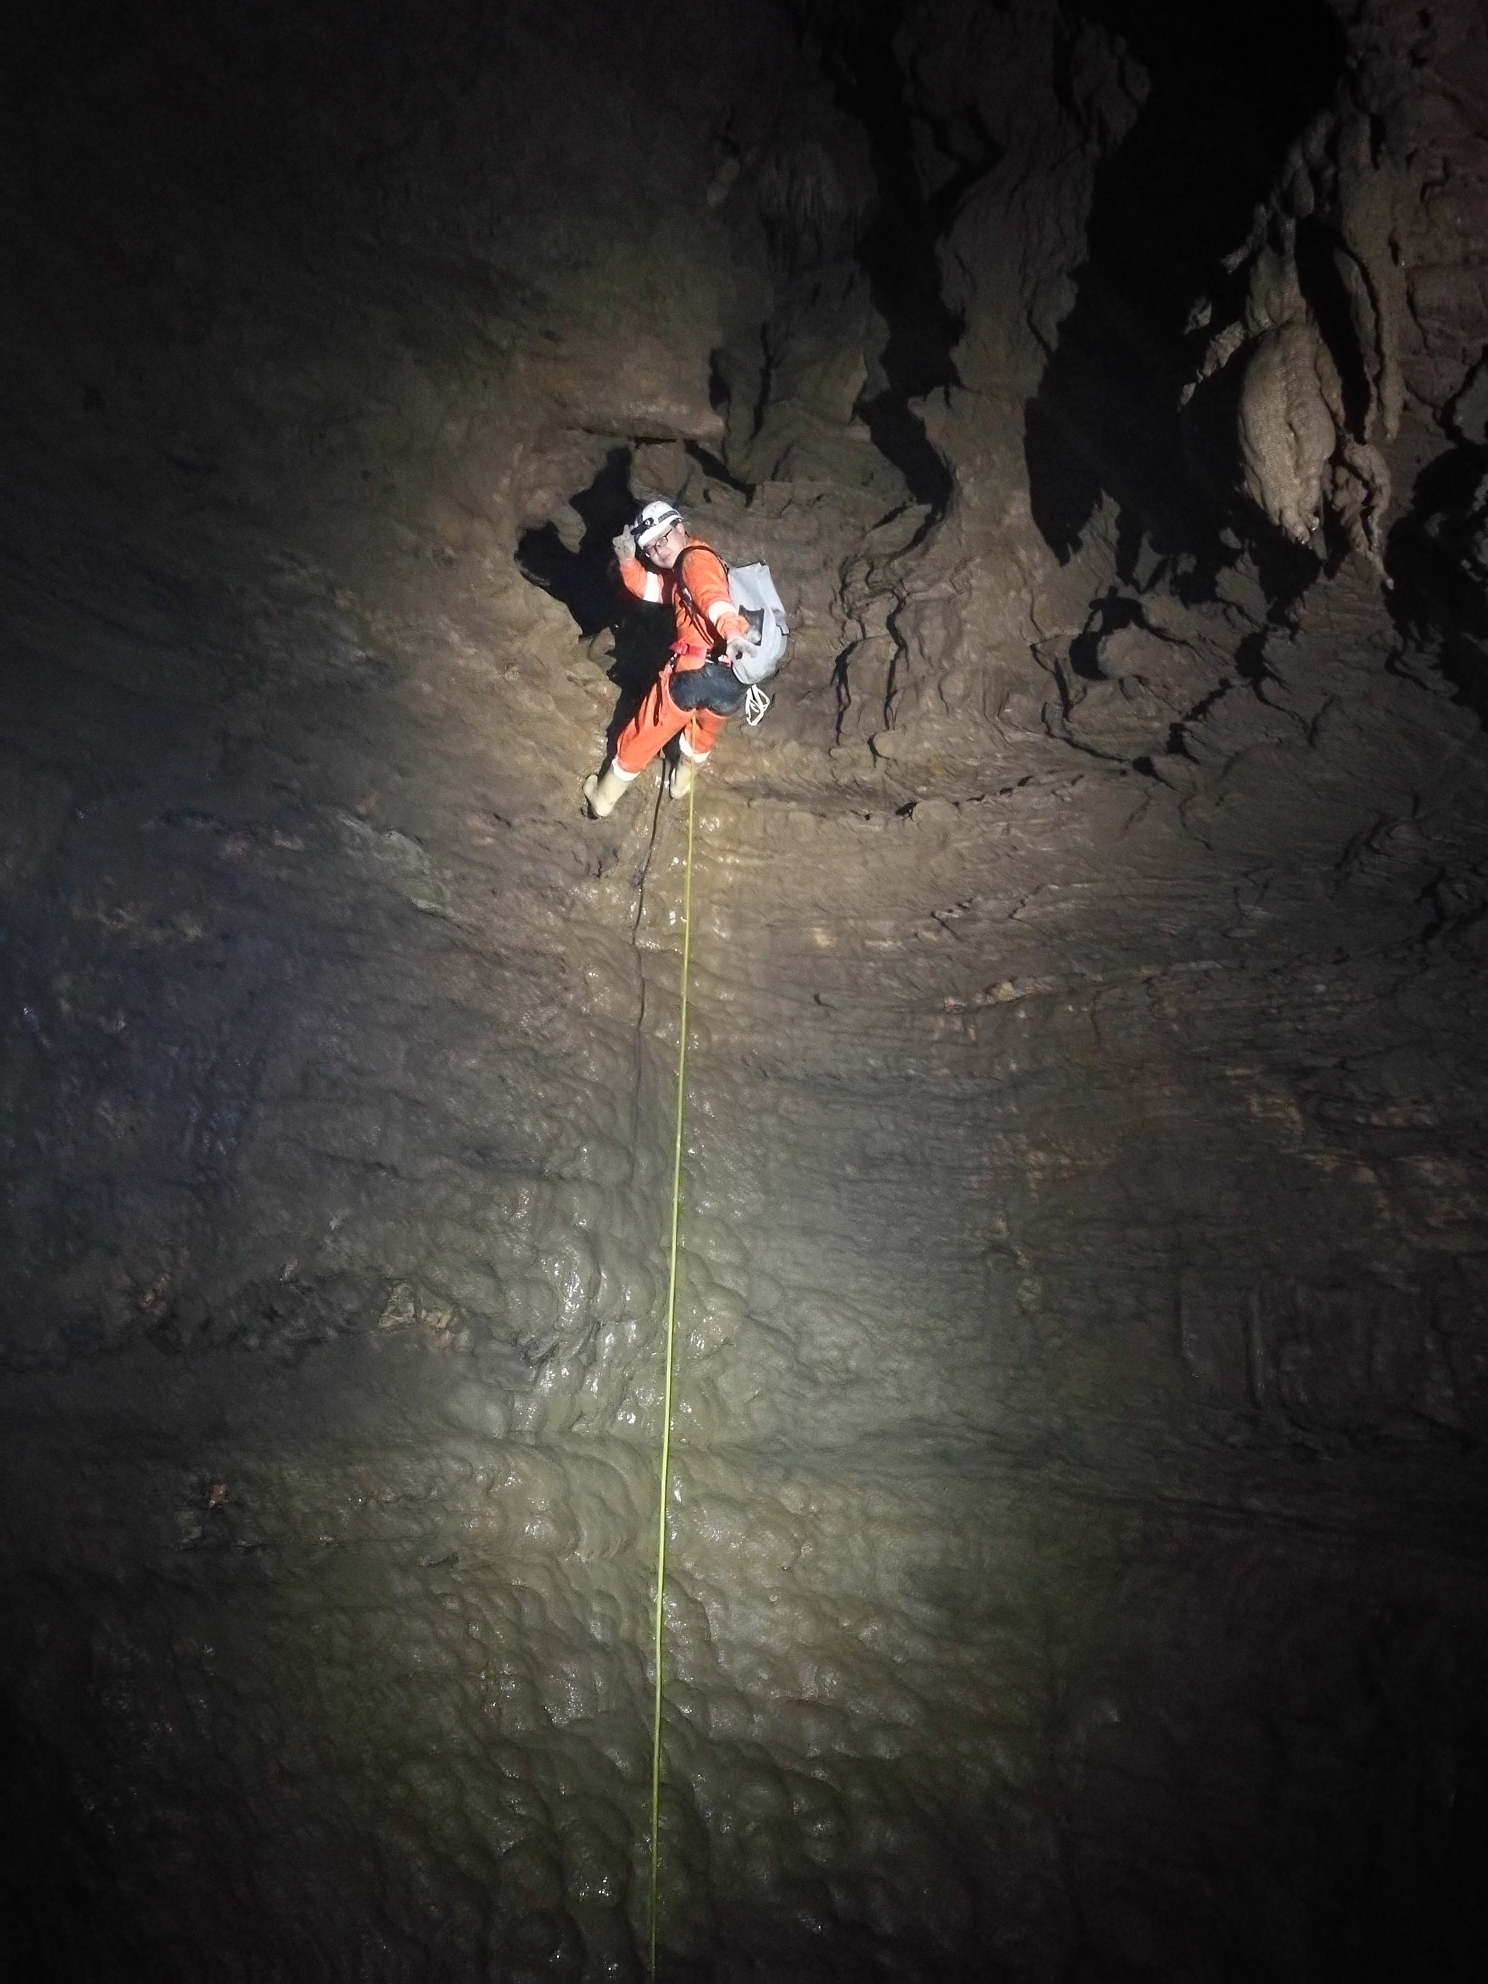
{"points": [[664, 551]]}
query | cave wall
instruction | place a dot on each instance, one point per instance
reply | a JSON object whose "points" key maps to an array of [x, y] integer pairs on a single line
{"points": [[1083, 258], [1083, 1282]]}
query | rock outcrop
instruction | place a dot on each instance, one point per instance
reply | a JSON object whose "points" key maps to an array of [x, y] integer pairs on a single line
{"points": [[1361, 309]]}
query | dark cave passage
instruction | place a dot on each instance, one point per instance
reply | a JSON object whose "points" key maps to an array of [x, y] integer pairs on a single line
{"points": [[898, 247], [1229, 92]]}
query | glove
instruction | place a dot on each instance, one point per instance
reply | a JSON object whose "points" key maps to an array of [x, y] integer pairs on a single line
{"points": [[735, 648], [624, 546]]}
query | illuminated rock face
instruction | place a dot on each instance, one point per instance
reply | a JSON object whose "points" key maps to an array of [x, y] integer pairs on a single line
{"points": [[1083, 1368]]}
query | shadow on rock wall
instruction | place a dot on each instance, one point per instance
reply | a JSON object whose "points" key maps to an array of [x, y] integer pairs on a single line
{"points": [[1438, 560], [576, 565], [1228, 93], [571, 558]]}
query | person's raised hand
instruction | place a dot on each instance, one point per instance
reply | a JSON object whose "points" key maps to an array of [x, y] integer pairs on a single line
{"points": [[624, 546]]}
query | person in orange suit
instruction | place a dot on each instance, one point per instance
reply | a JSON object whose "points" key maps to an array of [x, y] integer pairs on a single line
{"points": [[697, 690]]}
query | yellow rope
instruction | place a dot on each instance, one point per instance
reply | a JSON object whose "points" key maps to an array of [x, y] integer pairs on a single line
{"points": [[666, 1407]]}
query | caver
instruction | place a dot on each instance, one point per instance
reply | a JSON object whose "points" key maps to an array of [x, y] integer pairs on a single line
{"points": [[697, 690]]}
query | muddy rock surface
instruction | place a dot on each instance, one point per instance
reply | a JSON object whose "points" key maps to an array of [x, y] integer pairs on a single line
{"points": [[1078, 1503]]}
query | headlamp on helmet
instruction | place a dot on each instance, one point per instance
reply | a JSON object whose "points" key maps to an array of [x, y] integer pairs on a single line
{"points": [[654, 521]]}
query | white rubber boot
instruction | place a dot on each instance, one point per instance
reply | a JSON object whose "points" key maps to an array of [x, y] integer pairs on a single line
{"points": [[603, 789], [684, 777]]}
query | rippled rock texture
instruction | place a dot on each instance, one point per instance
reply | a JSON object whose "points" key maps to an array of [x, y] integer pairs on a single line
{"points": [[1078, 1505]]}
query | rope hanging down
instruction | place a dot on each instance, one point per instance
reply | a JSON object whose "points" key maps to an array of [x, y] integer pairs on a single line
{"points": [[666, 1407]]}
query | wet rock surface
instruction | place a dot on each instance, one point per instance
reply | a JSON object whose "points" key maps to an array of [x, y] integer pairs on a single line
{"points": [[1078, 1511]]}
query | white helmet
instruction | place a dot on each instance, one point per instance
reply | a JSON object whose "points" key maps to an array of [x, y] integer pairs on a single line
{"points": [[654, 521]]}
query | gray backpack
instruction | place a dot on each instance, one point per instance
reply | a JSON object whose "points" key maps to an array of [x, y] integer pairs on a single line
{"points": [[752, 590]]}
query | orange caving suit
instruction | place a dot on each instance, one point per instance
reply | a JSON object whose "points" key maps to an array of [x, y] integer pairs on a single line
{"points": [[705, 617]]}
